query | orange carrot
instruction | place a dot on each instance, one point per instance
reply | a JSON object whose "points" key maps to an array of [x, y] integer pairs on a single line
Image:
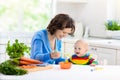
{"points": [[30, 60], [24, 63]]}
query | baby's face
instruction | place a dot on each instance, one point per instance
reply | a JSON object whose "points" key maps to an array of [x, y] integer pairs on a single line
{"points": [[80, 49]]}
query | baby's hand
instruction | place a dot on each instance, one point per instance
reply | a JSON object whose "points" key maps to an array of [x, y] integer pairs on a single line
{"points": [[92, 64]]}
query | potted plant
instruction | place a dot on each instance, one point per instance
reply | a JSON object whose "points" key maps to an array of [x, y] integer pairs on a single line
{"points": [[113, 28]]}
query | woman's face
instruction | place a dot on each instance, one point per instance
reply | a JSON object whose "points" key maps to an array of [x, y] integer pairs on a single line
{"points": [[62, 33]]}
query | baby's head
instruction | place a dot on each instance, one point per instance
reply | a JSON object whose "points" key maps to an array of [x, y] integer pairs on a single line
{"points": [[80, 47]]}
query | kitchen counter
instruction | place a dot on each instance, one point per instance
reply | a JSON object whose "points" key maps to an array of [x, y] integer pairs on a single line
{"points": [[77, 72], [106, 43]]}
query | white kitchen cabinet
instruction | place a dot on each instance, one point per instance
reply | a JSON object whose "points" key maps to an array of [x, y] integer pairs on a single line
{"points": [[104, 55], [68, 49], [118, 57], [93, 51], [2, 48], [73, 1], [3, 57]]}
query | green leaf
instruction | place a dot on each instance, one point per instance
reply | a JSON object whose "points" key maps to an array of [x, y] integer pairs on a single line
{"points": [[17, 50], [112, 25]]}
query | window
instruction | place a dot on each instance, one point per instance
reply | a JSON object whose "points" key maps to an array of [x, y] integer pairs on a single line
{"points": [[24, 15]]}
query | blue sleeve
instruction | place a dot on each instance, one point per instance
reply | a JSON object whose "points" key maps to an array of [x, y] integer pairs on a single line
{"points": [[38, 52], [59, 60]]}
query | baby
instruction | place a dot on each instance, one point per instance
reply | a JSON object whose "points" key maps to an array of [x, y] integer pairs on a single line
{"points": [[81, 57]]}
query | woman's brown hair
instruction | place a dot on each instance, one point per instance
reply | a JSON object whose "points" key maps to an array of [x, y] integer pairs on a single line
{"points": [[59, 22]]}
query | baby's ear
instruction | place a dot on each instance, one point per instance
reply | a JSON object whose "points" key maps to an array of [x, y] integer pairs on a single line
{"points": [[86, 50]]}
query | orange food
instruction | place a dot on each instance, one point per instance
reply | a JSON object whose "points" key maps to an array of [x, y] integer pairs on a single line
{"points": [[32, 61], [65, 65]]}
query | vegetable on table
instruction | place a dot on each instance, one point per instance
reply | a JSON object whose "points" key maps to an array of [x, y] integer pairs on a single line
{"points": [[24, 60], [17, 64], [9, 68], [15, 52], [17, 49]]}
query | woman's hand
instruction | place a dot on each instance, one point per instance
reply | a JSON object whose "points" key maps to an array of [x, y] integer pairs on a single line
{"points": [[55, 55]]}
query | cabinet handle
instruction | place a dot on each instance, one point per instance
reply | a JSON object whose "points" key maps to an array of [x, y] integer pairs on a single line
{"points": [[92, 48], [95, 49]]}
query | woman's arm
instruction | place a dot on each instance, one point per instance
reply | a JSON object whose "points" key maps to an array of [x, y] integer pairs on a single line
{"points": [[38, 51]]}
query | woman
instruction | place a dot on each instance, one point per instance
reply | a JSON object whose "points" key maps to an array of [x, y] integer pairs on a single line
{"points": [[46, 44]]}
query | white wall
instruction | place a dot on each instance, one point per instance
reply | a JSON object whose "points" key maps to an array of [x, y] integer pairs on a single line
{"points": [[92, 14], [117, 9]]}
